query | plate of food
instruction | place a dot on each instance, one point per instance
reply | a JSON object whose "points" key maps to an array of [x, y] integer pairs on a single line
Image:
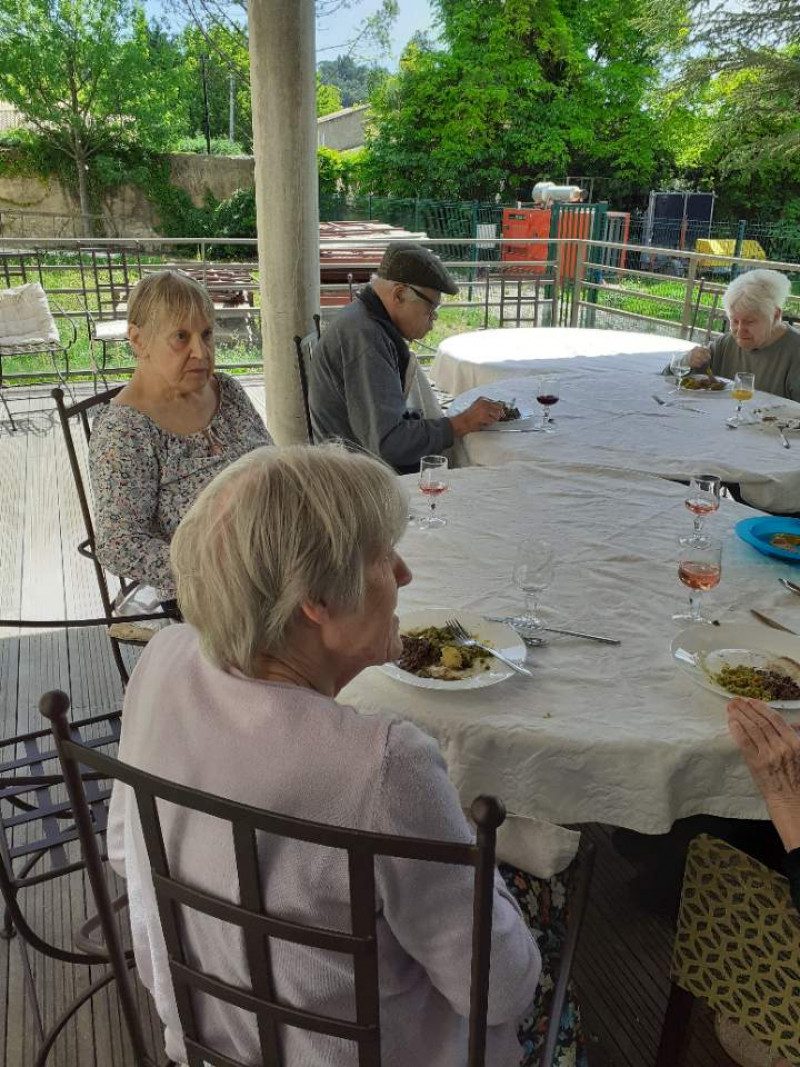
{"points": [[512, 416], [788, 418], [432, 660], [704, 384], [742, 660], [772, 535]]}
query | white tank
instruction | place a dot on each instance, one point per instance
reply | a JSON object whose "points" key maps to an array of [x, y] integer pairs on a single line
{"points": [[547, 192]]}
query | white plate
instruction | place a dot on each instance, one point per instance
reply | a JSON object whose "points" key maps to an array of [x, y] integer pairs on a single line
{"points": [[733, 644], [500, 636], [525, 419], [726, 392], [769, 417], [505, 395]]}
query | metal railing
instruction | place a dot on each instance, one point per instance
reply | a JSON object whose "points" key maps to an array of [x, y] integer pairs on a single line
{"points": [[583, 282]]}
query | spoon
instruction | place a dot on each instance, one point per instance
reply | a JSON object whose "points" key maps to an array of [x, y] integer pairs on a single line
{"points": [[790, 585]]}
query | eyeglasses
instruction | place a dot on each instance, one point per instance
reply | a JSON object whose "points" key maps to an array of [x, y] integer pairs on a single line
{"points": [[434, 307]]}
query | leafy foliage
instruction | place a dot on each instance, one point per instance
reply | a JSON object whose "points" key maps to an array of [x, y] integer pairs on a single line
{"points": [[354, 80], [522, 90], [89, 79]]}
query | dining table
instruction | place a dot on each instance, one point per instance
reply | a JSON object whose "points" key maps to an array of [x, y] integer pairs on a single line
{"points": [[480, 357], [615, 734], [632, 418]]}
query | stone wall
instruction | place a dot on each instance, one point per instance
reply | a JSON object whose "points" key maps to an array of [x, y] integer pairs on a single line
{"points": [[37, 207]]}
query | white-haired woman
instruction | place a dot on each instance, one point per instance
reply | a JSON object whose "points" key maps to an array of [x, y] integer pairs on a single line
{"points": [[168, 432], [287, 573], [759, 340]]}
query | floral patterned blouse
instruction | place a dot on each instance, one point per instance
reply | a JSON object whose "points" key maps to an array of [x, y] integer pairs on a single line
{"points": [[144, 479]]}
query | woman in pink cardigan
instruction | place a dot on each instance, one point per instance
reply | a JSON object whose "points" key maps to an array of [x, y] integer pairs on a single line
{"points": [[287, 575]]}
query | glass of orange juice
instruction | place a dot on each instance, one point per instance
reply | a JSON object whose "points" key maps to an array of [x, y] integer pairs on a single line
{"points": [[743, 388]]}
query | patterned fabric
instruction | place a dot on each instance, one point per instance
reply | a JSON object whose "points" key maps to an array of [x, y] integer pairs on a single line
{"points": [[738, 943], [144, 479], [543, 903]]}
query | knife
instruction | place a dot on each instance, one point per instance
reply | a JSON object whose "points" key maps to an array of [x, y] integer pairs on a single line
{"points": [[553, 630], [771, 622]]}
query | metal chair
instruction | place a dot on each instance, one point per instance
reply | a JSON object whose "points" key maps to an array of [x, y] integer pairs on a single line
{"points": [[249, 916], [304, 349], [112, 272], [709, 310], [45, 338], [36, 831], [80, 412], [737, 947]]}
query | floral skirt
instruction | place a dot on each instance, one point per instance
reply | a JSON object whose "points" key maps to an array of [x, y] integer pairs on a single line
{"points": [[543, 904]]}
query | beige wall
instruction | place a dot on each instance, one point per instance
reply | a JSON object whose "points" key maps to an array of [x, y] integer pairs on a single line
{"points": [[343, 130], [127, 211]]}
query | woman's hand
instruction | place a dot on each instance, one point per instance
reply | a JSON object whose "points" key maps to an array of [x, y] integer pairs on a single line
{"points": [[771, 750], [699, 357]]}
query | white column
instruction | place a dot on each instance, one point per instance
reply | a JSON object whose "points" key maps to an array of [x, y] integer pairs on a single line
{"points": [[283, 89]]}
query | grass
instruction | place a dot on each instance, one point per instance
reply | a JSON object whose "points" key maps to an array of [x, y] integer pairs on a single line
{"points": [[638, 295]]}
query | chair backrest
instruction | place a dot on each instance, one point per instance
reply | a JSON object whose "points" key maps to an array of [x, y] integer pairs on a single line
{"points": [[111, 272], [304, 349], [701, 308], [249, 914], [737, 945]]}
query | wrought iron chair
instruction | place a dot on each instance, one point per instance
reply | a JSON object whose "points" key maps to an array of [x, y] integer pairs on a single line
{"points": [[304, 348], [80, 412], [699, 309], [249, 916], [112, 273], [29, 329], [37, 835], [737, 947]]}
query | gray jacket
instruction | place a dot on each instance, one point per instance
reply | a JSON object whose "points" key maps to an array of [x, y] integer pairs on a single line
{"points": [[355, 388]]}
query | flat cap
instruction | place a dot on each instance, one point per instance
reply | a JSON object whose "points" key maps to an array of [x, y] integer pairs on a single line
{"points": [[412, 264]]}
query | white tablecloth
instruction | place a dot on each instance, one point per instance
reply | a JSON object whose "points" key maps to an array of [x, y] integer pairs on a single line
{"points": [[603, 734], [484, 356], [608, 416]]}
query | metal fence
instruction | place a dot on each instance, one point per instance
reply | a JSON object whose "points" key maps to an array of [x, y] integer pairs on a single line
{"points": [[579, 281]]}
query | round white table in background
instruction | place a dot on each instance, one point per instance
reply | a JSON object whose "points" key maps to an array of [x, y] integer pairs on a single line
{"points": [[609, 417], [600, 734], [471, 359]]}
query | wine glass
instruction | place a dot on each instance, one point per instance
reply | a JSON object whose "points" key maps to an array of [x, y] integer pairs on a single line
{"points": [[743, 388], [433, 481], [680, 368], [547, 395], [533, 572], [700, 568], [702, 500]]}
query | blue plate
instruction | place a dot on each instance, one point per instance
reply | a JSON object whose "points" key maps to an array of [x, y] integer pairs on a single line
{"points": [[757, 532]]}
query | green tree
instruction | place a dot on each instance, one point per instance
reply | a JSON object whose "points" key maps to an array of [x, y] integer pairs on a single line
{"points": [[739, 67], [329, 99], [519, 91], [354, 80], [86, 75]]}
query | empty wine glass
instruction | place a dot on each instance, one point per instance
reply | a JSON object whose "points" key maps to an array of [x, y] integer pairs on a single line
{"points": [[700, 568], [533, 572], [679, 368], [743, 388], [702, 500], [433, 481], [547, 395]]}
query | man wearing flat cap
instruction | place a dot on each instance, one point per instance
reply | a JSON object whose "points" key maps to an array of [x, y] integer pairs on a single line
{"points": [[362, 370]]}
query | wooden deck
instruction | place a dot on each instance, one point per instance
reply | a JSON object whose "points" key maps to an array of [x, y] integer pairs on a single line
{"points": [[621, 970]]}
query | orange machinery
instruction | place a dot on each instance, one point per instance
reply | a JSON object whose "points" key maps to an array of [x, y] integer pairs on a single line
{"points": [[537, 223]]}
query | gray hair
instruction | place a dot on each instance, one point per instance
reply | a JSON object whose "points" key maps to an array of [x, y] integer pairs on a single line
{"points": [[276, 529], [758, 291]]}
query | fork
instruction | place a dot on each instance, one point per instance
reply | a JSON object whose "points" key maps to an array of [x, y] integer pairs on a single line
{"points": [[462, 638]]}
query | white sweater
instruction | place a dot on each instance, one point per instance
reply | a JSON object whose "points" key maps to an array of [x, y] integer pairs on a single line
{"points": [[296, 752]]}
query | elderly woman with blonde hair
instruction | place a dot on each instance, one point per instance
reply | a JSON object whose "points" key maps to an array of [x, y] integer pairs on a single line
{"points": [[288, 574], [174, 426], [759, 342]]}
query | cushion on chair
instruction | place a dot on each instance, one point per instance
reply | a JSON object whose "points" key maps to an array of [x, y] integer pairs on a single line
{"points": [[25, 317], [113, 330], [738, 943]]}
